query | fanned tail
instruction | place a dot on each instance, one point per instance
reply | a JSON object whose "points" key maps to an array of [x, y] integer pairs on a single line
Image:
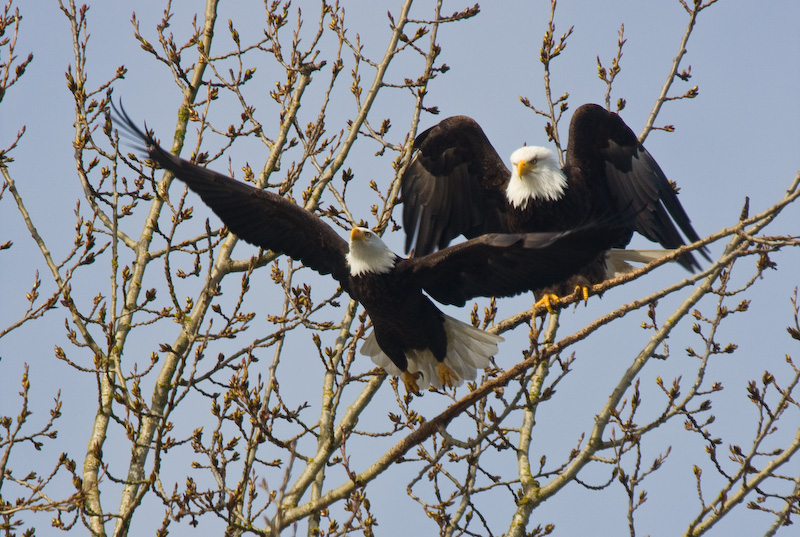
{"points": [[468, 350]]}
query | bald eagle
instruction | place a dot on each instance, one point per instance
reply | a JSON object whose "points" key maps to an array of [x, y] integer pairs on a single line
{"points": [[411, 337], [457, 185]]}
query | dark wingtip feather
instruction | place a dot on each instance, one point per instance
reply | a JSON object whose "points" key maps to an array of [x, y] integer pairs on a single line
{"points": [[142, 140], [128, 129]]}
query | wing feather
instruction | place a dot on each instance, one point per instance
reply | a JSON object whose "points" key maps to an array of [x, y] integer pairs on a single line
{"points": [[257, 216], [508, 264], [453, 186], [601, 144]]}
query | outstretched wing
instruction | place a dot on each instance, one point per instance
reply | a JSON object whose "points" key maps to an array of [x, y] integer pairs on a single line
{"points": [[601, 144], [501, 264], [259, 217], [453, 186]]}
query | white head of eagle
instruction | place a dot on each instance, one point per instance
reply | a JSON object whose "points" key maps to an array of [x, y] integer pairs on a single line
{"points": [[368, 253], [534, 175]]}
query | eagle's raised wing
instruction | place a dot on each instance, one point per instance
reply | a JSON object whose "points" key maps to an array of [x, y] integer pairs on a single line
{"points": [[603, 146], [455, 185], [257, 216]]}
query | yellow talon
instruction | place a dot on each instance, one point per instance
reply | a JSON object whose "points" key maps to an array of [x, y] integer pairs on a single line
{"points": [[410, 382], [584, 292], [547, 300], [447, 376]]}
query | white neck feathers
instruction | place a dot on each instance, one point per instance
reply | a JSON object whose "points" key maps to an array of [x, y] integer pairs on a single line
{"points": [[368, 254], [534, 175]]}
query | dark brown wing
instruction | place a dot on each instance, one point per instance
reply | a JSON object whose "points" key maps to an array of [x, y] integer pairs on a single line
{"points": [[507, 264], [257, 216], [604, 147], [454, 185]]}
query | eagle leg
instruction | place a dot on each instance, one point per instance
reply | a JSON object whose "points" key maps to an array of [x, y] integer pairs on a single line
{"points": [[410, 382], [447, 375], [547, 301]]}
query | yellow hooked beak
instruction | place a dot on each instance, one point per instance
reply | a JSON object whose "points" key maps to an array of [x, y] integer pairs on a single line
{"points": [[524, 167], [359, 234]]}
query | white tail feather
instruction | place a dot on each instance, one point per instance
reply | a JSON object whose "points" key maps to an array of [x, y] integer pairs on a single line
{"points": [[618, 260], [468, 349]]}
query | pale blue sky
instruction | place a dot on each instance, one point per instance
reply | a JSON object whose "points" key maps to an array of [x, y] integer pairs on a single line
{"points": [[738, 138]]}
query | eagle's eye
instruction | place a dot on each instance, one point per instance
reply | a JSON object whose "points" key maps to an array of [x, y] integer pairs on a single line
{"points": [[368, 234], [533, 161]]}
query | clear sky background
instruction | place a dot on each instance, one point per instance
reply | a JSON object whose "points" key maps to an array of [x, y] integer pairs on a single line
{"points": [[739, 138]]}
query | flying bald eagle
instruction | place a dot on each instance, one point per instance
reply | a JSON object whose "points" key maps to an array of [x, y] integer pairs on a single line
{"points": [[457, 184], [411, 337]]}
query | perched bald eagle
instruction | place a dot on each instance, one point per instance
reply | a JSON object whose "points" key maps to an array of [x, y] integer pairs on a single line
{"points": [[411, 337], [457, 185]]}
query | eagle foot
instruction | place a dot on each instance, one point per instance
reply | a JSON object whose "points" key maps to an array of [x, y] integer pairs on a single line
{"points": [[547, 301], [410, 382], [447, 376]]}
